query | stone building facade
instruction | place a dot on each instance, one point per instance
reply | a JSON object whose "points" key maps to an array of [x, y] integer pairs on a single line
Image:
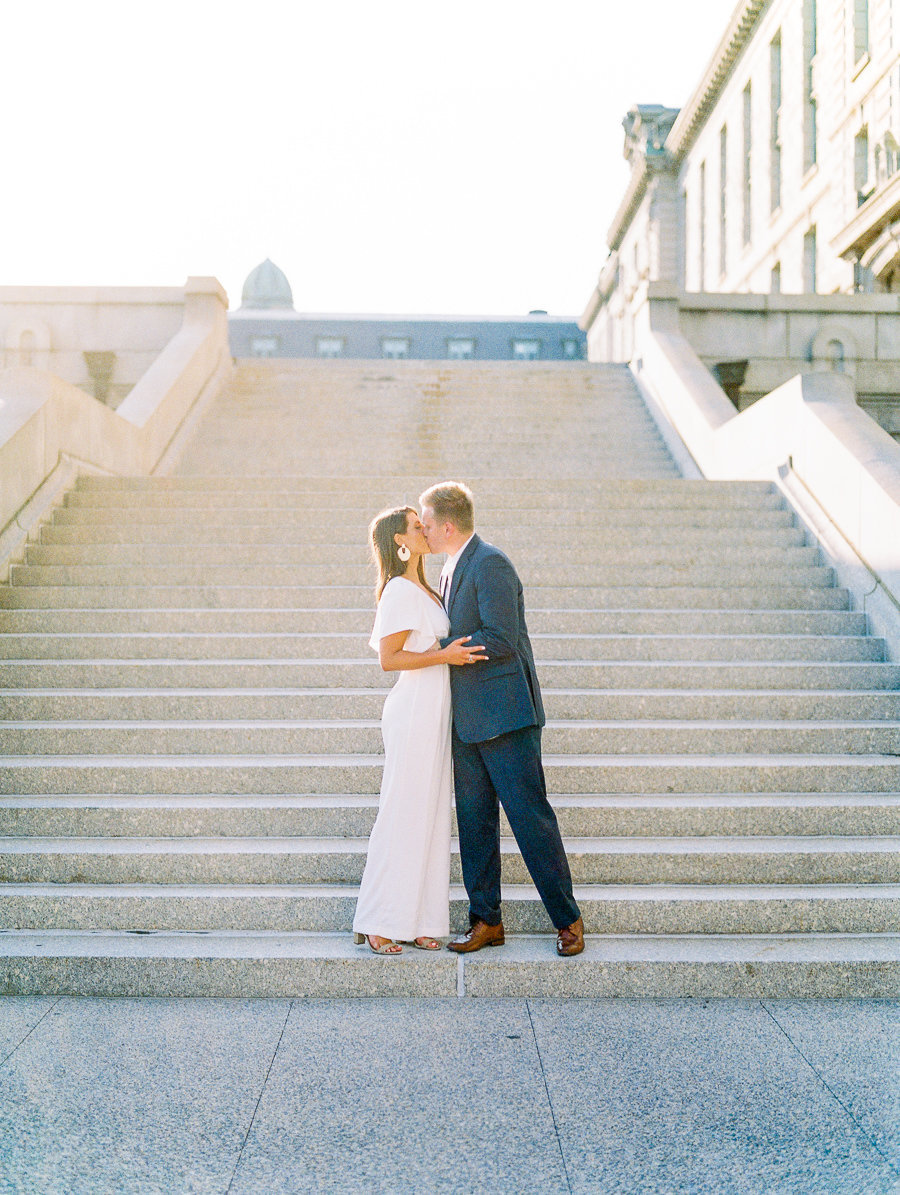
{"points": [[266, 325], [780, 176]]}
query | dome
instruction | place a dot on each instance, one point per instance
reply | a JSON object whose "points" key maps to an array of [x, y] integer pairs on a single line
{"points": [[267, 287]]}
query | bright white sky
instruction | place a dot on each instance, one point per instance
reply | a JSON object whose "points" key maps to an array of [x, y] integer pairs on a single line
{"points": [[411, 156]]}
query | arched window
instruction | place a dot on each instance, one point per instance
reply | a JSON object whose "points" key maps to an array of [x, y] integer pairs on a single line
{"points": [[27, 343], [26, 347], [836, 355]]}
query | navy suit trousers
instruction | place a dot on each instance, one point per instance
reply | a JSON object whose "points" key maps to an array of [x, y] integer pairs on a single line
{"points": [[508, 770]]}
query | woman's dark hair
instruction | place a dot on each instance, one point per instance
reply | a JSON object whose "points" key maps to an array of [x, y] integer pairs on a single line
{"points": [[382, 530]]}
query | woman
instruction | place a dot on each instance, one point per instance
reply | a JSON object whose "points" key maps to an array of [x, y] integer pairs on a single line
{"points": [[404, 895]]}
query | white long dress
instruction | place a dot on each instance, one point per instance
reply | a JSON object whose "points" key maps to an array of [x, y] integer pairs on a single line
{"points": [[405, 890]]}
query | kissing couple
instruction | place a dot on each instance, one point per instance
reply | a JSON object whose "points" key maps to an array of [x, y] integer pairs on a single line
{"points": [[467, 692]]}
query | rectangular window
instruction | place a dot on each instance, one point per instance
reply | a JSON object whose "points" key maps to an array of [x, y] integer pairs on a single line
{"points": [[571, 350], [395, 347], [701, 228], [809, 262], [775, 124], [775, 279], [810, 105], [329, 346], [264, 346], [811, 134], [723, 198], [526, 350], [748, 150], [860, 29], [460, 348], [861, 166]]}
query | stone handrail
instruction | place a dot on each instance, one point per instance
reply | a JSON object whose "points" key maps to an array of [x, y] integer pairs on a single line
{"points": [[836, 465], [49, 429]]}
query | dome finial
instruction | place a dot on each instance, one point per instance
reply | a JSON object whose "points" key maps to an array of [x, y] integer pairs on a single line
{"points": [[267, 287]]}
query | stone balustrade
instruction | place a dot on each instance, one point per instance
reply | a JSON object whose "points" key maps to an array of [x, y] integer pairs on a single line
{"points": [[839, 469], [50, 429]]}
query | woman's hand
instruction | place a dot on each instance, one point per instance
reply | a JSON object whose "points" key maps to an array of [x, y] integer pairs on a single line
{"points": [[458, 653]]}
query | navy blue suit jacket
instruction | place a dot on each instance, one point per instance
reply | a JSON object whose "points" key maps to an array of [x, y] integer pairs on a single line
{"points": [[486, 602]]}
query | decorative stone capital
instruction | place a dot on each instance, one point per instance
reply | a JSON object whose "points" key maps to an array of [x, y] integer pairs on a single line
{"points": [[646, 128]]}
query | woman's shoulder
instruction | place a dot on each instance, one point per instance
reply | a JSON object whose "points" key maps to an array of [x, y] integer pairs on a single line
{"points": [[398, 592], [396, 587]]}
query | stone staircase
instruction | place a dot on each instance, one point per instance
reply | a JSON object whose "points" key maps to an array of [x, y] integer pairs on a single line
{"points": [[190, 713]]}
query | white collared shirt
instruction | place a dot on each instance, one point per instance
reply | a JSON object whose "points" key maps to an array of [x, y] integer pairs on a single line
{"points": [[450, 568]]}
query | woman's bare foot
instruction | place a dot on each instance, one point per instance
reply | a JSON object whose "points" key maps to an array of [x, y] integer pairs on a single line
{"points": [[378, 944], [426, 943], [383, 945]]}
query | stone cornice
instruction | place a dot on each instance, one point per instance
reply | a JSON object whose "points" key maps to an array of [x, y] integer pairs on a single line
{"points": [[592, 310], [868, 221], [634, 193], [696, 110]]}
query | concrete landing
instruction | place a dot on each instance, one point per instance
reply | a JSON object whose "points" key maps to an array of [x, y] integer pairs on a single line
{"points": [[432, 1096]]}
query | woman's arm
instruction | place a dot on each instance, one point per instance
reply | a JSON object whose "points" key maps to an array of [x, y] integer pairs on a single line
{"points": [[394, 659]]}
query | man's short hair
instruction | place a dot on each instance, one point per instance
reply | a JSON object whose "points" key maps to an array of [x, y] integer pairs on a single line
{"points": [[451, 502]]}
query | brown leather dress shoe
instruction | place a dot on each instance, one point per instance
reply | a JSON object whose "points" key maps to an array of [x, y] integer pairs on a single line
{"points": [[570, 939], [477, 935]]}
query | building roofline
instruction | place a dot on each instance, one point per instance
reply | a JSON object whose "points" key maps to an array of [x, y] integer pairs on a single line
{"points": [[349, 317], [631, 201], [692, 116], [734, 39]]}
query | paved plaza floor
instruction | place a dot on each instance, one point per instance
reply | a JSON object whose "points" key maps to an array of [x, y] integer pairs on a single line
{"points": [[381, 1095]]}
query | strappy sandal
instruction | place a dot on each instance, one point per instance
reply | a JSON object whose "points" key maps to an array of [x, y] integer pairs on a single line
{"points": [[428, 944], [388, 947]]}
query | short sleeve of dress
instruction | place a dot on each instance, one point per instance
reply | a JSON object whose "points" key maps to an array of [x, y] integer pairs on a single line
{"points": [[398, 610]]}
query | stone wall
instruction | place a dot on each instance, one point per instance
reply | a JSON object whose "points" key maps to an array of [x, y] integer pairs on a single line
{"points": [[780, 336], [752, 344], [101, 339], [835, 466], [51, 430]]}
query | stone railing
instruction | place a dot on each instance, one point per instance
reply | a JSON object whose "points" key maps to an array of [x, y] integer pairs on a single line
{"points": [[837, 467], [51, 430]]}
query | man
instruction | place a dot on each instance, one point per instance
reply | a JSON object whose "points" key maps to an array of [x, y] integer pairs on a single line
{"points": [[497, 720]]}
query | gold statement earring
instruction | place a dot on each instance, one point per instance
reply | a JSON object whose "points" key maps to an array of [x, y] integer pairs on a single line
{"points": [[404, 553]]}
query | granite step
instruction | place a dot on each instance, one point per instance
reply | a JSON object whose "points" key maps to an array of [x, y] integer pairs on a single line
{"points": [[365, 673], [571, 774], [554, 503], [644, 597], [359, 621], [607, 908], [584, 815], [610, 704], [701, 575], [227, 493], [321, 736], [355, 555], [228, 963], [354, 523], [307, 860], [512, 539], [493, 486], [336, 645]]}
